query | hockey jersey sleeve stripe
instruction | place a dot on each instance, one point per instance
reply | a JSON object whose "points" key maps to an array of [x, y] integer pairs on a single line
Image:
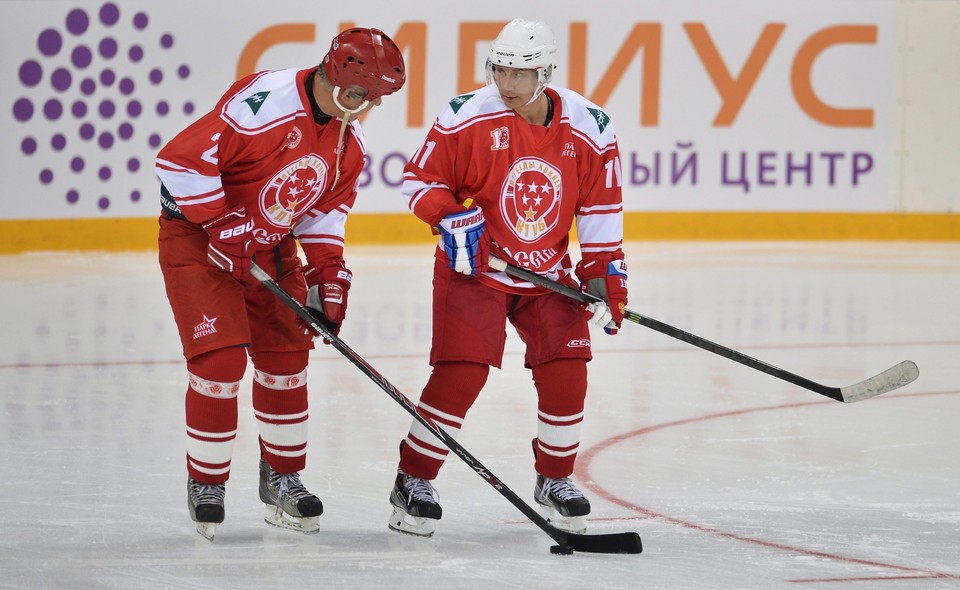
{"points": [[593, 145], [199, 199], [173, 167], [323, 229], [600, 233], [601, 209], [420, 190], [239, 128], [473, 120], [189, 188]]}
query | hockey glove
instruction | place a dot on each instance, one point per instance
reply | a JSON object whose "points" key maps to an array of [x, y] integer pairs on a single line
{"points": [[609, 283], [231, 244], [327, 290], [465, 242]]}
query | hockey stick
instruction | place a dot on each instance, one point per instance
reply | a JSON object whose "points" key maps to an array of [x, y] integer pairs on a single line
{"points": [[893, 378], [568, 542]]}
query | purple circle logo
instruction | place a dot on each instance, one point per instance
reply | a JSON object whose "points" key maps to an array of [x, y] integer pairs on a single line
{"points": [[89, 101]]}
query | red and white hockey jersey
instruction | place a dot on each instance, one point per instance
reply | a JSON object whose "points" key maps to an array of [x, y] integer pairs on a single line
{"points": [[532, 182], [261, 148]]}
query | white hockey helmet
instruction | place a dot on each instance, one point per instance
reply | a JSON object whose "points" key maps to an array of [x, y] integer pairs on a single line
{"points": [[524, 44]]}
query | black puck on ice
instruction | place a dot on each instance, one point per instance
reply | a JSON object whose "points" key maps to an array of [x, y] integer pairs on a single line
{"points": [[561, 550]]}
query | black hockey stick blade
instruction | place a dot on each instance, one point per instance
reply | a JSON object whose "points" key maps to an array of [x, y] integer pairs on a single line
{"points": [[893, 378], [605, 543], [609, 543]]}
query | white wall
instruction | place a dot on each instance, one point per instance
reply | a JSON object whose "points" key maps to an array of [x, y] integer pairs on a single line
{"points": [[927, 122], [908, 78]]}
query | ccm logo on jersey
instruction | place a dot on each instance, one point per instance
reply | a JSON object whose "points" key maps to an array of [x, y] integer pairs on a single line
{"points": [[236, 231], [578, 343]]}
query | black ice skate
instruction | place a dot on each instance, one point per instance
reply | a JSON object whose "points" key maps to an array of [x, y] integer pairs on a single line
{"points": [[205, 503], [288, 504], [561, 503], [416, 508]]}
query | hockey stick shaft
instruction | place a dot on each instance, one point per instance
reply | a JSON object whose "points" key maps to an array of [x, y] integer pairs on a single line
{"points": [[608, 543], [893, 378]]}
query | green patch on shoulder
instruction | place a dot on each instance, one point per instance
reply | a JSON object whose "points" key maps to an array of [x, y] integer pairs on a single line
{"points": [[459, 101], [600, 117], [256, 101]]}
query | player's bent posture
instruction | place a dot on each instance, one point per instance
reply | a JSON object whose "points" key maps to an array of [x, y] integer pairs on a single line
{"points": [[509, 169], [276, 162]]}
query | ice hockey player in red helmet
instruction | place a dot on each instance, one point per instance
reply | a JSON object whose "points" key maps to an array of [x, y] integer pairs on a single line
{"points": [[274, 163]]}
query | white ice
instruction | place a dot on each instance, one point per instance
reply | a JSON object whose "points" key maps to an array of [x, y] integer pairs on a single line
{"points": [[734, 479]]}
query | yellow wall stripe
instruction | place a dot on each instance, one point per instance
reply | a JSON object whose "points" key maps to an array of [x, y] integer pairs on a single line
{"points": [[134, 234]]}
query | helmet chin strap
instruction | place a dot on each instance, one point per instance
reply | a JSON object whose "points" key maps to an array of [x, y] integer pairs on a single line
{"points": [[536, 94], [344, 121]]}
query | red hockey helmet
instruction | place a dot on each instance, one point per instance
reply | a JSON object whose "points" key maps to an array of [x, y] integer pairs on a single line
{"points": [[367, 58]]}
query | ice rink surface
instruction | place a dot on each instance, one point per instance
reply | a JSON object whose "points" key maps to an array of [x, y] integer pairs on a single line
{"points": [[734, 479]]}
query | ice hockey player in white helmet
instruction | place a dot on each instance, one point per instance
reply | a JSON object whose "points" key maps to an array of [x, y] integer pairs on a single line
{"points": [[509, 169]]}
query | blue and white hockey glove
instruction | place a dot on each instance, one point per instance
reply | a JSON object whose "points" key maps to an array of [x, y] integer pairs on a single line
{"points": [[464, 241]]}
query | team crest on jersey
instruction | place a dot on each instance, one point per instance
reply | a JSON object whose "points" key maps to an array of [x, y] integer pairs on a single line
{"points": [[294, 137], [530, 198], [293, 190], [501, 138]]}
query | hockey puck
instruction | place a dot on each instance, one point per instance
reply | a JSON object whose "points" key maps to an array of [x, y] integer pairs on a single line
{"points": [[561, 550]]}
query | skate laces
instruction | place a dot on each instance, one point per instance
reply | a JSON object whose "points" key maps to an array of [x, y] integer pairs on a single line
{"points": [[288, 484], [562, 488], [420, 490], [208, 493]]}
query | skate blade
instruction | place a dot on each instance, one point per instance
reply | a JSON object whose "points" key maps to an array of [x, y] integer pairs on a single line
{"points": [[307, 525], [570, 524], [402, 522], [207, 530]]}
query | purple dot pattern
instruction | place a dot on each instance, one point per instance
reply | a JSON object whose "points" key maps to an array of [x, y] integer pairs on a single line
{"points": [[81, 56], [79, 85], [28, 146], [49, 42], [30, 73], [61, 79], [77, 21]]}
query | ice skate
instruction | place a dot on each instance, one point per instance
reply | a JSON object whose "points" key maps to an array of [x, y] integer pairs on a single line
{"points": [[205, 503], [288, 504], [416, 509], [561, 503]]}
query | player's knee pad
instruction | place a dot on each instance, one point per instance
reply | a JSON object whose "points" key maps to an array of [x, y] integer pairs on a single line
{"points": [[225, 365], [457, 383], [561, 384]]}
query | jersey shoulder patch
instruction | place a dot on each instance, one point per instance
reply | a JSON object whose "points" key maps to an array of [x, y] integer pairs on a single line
{"points": [[587, 117], [269, 99], [466, 108], [459, 101]]}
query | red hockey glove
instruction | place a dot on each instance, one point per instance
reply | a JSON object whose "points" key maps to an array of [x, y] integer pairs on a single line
{"points": [[606, 278], [464, 240], [231, 242], [327, 290]]}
